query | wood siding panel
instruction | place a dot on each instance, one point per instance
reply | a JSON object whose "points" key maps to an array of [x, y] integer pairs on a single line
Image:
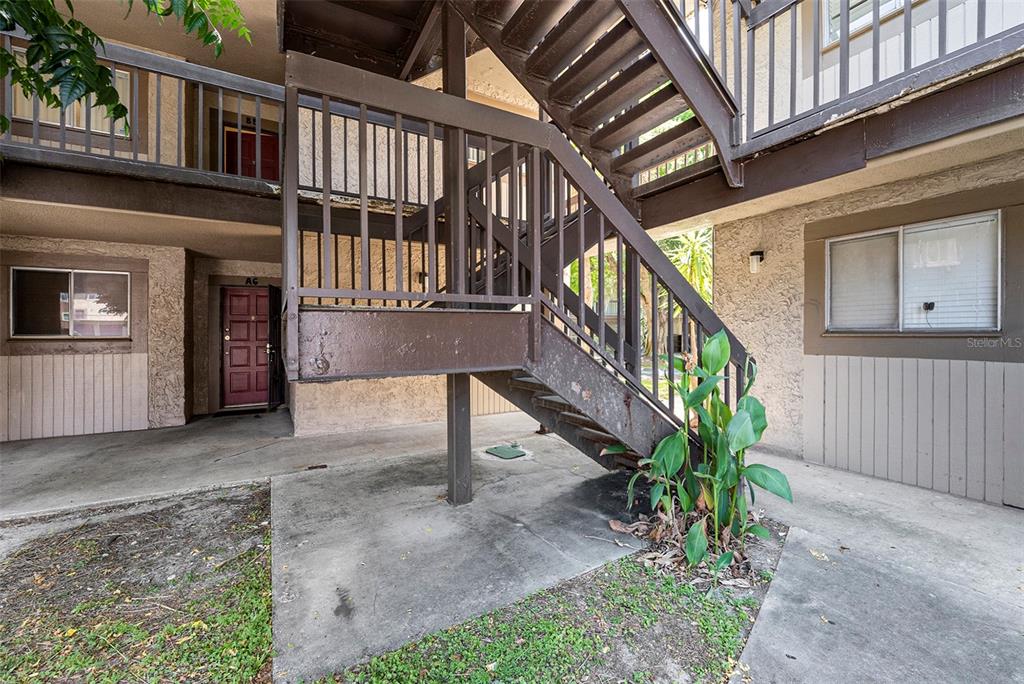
{"points": [[950, 426], [1013, 436], [485, 402], [55, 395], [814, 408], [994, 398]]}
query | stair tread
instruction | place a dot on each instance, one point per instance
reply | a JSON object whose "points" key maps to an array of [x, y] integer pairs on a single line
{"points": [[529, 384], [684, 175], [656, 109], [664, 146], [578, 419], [613, 51], [638, 79], [581, 26], [598, 436], [499, 11], [532, 21]]}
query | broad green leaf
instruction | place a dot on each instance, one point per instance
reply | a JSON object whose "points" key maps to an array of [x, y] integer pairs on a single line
{"points": [[757, 416], [770, 479], [759, 531], [716, 352], [703, 391], [696, 544], [630, 489], [723, 561], [740, 431], [720, 411], [751, 375], [656, 491], [669, 453], [685, 501], [616, 449]]}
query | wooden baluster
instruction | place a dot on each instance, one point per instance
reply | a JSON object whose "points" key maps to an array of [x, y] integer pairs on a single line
{"points": [[258, 132], [238, 134], [981, 20], [771, 70], [325, 164], [750, 81], [513, 220], [816, 52], [136, 127], [620, 313], [180, 125], [88, 122], [560, 229], [581, 260], [533, 178], [844, 48], [876, 31], [737, 61], [220, 131], [489, 207], [158, 115], [654, 335], [364, 217], [908, 35], [792, 61], [458, 205], [600, 284], [671, 352], [63, 128], [200, 114], [8, 89], [399, 203], [431, 219], [941, 10]]}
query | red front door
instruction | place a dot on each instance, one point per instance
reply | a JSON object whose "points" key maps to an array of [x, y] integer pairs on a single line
{"points": [[245, 316], [268, 154]]}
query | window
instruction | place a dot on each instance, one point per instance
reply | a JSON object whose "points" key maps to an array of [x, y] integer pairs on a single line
{"points": [[942, 275], [860, 15], [48, 302], [75, 114]]}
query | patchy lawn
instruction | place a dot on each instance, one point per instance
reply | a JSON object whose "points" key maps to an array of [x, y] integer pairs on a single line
{"points": [[621, 623], [171, 590]]}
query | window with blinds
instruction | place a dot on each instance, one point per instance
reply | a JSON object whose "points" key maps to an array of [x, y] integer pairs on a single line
{"points": [[941, 275], [859, 17]]}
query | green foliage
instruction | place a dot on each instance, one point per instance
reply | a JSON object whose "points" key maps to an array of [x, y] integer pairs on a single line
{"points": [[61, 64], [710, 491], [692, 254]]}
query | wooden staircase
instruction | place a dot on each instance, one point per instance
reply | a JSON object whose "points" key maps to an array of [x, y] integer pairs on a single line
{"points": [[610, 72], [495, 300]]}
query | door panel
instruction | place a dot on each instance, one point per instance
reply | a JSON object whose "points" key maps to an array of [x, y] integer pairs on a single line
{"points": [[245, 326]]}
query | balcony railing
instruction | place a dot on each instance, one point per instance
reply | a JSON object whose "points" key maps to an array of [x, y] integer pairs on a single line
{"points": [[793, 66]]}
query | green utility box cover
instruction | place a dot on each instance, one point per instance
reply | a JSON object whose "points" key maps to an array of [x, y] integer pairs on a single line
{"points": [[506, 452]]}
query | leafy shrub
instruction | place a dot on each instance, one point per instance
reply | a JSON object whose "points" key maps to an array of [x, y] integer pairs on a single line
{"points": [[709, 492]]}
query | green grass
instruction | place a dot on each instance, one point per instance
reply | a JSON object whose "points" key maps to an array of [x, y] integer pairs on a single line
{"points": [[561, 634], [223, 637]]}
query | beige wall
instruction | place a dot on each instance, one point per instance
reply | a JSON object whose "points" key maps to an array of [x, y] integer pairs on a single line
{"points": [[766, 310], [166, 316]]}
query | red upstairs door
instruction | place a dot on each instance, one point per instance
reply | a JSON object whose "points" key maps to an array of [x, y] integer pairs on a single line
{"points": [[245, 317]]}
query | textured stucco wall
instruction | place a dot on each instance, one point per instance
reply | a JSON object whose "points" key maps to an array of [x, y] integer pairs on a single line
{"points": [[766, 310], [322, 408], [166, 313]]}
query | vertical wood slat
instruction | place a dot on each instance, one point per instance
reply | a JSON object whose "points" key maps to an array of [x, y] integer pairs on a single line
{"points": [[981, 20], [489, 222], [908, 34], [107, 376], [399, 203], [431, 219], [513, 220], [47, 395], [876, 30], [117, 393], [941, 11], [326, 149], [536, 228], [941, 422], [895, 399], [910, 408], [5, 394], [136, 127], [560, 230], [36, 402], [881, 423], [78, 427], [814, 408], [856, 419], [581, 261], [1013, 435], [458, 217], [867, 416], [958, 418], [994, 433], [792, 61], [844, 48], [620, 316], [159, 111], [600, 283], [816, 52], [654, 333], [975, 444], [829, 422], [364, 211], [925, 425], [842, 390], [771, 70]]}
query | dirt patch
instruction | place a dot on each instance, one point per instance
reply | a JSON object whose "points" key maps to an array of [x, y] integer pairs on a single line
{"points": [[177, 588]]}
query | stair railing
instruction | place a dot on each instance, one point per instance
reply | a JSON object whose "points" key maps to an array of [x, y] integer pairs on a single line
{"points": [[516, 220]]}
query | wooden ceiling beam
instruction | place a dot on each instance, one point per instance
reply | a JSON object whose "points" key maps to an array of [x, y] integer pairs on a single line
{"points": [[427, 21]]}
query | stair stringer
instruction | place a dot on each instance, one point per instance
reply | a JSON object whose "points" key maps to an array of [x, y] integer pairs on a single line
{"points": [[578, 378]]}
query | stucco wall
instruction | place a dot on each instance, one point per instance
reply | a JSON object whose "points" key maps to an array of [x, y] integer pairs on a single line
{"points": [[765, 310], [166, 313], [322, 408]]}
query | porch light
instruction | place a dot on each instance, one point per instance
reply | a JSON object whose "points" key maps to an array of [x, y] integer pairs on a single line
{"points": [[756, 257]]}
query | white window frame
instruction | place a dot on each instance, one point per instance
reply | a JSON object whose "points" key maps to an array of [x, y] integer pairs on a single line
{"points": [[900, 230], [858, 25], [71, 300]]}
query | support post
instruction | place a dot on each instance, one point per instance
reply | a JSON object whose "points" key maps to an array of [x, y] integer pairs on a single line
{"points": [[460, 476], [453, 82]]}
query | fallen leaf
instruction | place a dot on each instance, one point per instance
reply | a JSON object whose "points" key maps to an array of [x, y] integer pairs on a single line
{"points": [[819, 555], [71, 632]]}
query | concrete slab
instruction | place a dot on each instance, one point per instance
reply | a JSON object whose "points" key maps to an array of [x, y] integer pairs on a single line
{"points": [[370, 557], [46, 475], [884, 582]]}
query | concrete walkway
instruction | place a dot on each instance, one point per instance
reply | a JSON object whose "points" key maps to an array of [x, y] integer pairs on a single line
{"points": [[45, 475], [370, 557], [883, 582]]}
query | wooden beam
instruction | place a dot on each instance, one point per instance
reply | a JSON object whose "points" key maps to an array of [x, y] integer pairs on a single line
{"points": [[427, 22], [682, 59], [460, 447]]}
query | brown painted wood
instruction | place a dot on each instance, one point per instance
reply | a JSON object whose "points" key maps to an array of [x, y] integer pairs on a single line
{"points": [[612, 52], [581, 26], [662, 147], [639, 119]]}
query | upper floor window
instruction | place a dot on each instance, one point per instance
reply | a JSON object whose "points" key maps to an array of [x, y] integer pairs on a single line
{"points": [[860, 16], [937, 276], [74, 115], [49, 302]]}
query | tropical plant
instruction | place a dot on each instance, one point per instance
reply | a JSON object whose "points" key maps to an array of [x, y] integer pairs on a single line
{"points": [[61, 65], [707, 495]]}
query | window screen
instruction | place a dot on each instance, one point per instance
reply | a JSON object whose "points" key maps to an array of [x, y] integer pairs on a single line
{"points": [[68, 303], [863, 283], [951, 274]]}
